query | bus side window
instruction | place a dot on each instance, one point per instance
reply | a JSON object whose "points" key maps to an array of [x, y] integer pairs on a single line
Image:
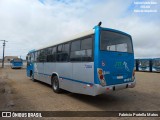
{"points": [[35, 57], [59, 53], [42, 56], [75, 54], [51, 54], [86, 47], [65, 52], [38, 57]]}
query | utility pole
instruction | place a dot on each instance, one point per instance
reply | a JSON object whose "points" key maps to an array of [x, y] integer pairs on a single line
{"points": [[4, 43]]}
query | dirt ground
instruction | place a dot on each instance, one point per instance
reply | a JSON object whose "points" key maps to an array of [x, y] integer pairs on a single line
{"points": [[19, 93]]}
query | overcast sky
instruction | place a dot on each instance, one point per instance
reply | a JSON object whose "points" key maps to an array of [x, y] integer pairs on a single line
{"points": [[30, 24]]}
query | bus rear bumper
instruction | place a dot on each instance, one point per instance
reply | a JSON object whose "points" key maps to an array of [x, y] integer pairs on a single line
{"points": [[105, 89]]}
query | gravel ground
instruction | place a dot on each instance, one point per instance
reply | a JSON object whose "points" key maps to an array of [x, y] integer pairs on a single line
{"points": [[19, 93]]}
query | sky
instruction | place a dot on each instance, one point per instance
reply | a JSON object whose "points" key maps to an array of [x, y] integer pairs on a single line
{"points": [[31, 24]]}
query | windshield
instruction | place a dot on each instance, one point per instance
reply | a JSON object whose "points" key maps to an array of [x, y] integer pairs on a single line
{"points": [[112, 41]]}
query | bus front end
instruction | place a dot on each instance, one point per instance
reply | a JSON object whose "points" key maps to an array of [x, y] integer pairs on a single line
{"points": [[113, 60]]}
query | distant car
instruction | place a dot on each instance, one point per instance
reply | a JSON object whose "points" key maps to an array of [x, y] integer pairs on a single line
{"points": [[16, 63]]}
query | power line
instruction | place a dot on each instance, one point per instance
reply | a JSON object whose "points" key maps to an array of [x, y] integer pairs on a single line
{"points": [[4, 43]]}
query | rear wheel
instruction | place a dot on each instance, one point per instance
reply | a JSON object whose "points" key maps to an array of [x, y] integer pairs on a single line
{"points": [[55, 84]]}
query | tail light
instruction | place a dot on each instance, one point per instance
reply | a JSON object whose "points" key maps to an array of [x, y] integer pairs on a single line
{"points": [[101, 77]]}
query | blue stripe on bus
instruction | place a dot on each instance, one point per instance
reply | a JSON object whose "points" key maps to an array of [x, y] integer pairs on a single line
{"points": [[42, 74], [67, 79], [76, 80]]}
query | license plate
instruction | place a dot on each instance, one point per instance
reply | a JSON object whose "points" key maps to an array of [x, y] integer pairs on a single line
{"points": [[119, 77]]}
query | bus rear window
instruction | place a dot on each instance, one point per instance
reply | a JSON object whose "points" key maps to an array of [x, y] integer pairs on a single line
{"points": [[17, 60], [112, 41]]}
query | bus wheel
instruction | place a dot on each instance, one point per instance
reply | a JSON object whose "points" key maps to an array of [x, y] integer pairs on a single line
{"points": [[32, 77], [55, 84]]}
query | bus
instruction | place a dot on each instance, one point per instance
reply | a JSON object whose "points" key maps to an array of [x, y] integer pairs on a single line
{"points": [[144, 65], [156, 65], [92, 63], [16, 63]]}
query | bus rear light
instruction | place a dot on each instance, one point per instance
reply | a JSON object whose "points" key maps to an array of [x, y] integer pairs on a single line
{"points": [[100, 71], [101, 76], [107, 88]]}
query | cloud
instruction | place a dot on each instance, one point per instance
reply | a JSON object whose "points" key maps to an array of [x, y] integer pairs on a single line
{"points": [[30, 24]]}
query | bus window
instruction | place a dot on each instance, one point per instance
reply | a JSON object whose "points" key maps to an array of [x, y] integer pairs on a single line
{"points": [[75, 46], [38, 52], [35, 57], [42, 56], [59, 53], [112, 41], [51, 55], [86, 47], [75, 51], [65, 50]]}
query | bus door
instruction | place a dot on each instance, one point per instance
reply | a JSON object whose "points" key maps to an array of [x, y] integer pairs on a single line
{"points": [[39, 66], [29, 67]]}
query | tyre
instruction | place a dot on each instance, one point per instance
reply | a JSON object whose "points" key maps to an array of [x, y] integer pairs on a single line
{"points": [[55, 84]]}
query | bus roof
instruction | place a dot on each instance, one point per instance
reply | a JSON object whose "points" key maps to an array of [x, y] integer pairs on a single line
{"points": [[90, 32]]}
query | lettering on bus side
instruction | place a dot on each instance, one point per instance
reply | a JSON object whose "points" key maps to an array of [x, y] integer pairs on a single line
{"points": [[87, 66]]}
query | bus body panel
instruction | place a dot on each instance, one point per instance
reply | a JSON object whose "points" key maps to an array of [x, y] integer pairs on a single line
{"points": [[64, 70], [83, 72], [71, 81], [75, 86], [49, 68], [117, 67], [82, 79], [39, 71]]}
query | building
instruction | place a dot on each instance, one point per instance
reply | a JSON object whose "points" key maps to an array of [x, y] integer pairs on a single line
{"points": [[9, 58]]}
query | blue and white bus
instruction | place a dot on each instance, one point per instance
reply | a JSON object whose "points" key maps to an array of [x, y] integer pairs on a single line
{"points": [[16, 63], [156, 65], [92, 63], [144, 64]]}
